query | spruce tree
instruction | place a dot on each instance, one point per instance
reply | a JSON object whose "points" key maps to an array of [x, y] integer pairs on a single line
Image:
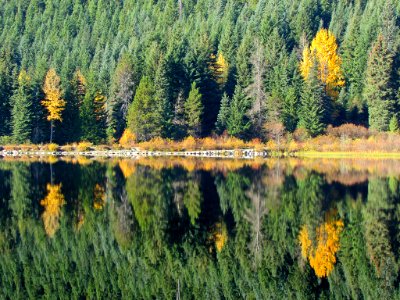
{"points": [[144, 119], [193, 111], [22, 109], [223, 115], [290, 109], [238, 123], [378, 92], [311, 114]]}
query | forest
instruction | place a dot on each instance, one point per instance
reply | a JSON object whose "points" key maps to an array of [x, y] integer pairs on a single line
{"points": [[92, 70]]}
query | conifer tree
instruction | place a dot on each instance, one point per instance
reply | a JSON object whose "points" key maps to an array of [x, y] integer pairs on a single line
{"points": [[290, 110], [378, 92], [22, 109], [53, 101], [223, 115], [144, 119], [193, 111], [122, 91], [238, 123], [311, 115]]}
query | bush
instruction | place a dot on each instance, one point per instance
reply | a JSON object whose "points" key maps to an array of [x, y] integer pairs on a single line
{"points": [[5, 140], [52, 147], [349, 131], [128, 138], [300, 135], [84, 146]]}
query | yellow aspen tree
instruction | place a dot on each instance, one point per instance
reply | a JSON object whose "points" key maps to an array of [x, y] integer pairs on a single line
{"points": [[53, 101], [323, 51], [52, 208]]}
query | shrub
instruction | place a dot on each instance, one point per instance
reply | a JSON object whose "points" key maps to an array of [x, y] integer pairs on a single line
{"points": [[349, 131], [52, 147], [300, 135], [84, 146], [188, 143], [128, 138], [5, 140]]}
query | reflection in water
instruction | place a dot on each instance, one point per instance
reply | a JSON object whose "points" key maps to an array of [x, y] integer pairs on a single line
{"points": [[52, 204], [322, 253], [139, 229]]}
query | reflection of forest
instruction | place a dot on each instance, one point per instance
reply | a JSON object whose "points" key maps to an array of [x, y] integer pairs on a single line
{"points": [[222, 229]]}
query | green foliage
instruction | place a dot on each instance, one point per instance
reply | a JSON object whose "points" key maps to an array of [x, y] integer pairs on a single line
{"points": [[237, 123], [144, 117], [312, 110], [378, 90], [223, 115], [193, 111], [219, 45], [22, 114]]}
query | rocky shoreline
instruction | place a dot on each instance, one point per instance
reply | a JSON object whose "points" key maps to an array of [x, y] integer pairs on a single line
{"points": [[137, 153]]}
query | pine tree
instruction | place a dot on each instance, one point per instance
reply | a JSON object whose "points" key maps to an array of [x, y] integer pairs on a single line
{"points": [[193, 111], [238, 123], [312, 109], [144, 119], [22, 109], [378, 92], [223, 115], [290, 110]]}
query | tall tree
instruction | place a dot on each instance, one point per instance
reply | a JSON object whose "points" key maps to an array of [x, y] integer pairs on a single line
{"points": [[53, 101], [311, 115], [323, 50], [122, 91], [193, 111], [378, 91], [144, 119], [22, 109], [238, 123], [223, 115]]}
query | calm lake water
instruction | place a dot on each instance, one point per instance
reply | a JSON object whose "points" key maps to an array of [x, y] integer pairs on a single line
{"points": [[191, 228]]}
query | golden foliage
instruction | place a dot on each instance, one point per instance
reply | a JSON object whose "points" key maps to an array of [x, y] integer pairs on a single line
{"points": [[52, 208], [99, 199], [323, 51], [84, 146], [220, 236], [322, 256], [127, 166], [53, 101], [128, 138], [220, 68], [23, 77], [52, 147]]}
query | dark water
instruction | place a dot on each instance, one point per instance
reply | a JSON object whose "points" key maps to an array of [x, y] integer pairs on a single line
{"points": [[207, 229]]}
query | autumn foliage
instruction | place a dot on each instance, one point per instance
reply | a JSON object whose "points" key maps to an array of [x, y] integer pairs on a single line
{"points": [[321, 254], [323, 52], [52, 204]]}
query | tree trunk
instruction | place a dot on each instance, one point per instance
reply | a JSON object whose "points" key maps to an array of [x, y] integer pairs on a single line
{"points": [[51, 132]]}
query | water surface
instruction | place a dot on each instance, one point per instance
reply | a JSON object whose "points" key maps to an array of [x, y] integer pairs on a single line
{"points": [[193, 228]]}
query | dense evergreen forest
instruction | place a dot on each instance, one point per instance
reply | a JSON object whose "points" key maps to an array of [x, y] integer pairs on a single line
{"points": [[75, 70]]}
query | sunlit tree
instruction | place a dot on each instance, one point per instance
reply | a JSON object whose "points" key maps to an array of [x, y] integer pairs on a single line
{"points": [[323, 50], [53, 101], [52, 204]]}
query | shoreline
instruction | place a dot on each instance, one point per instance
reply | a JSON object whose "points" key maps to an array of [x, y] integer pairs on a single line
{"points": [[227, 153]]}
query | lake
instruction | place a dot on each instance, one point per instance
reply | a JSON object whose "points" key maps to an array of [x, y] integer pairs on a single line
{"points": [[182, 228]]}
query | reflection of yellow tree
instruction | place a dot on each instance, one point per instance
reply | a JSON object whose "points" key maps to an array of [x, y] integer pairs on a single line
{"points": [[99, 197], [220, 236], [322, 255], [52, 208]]}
